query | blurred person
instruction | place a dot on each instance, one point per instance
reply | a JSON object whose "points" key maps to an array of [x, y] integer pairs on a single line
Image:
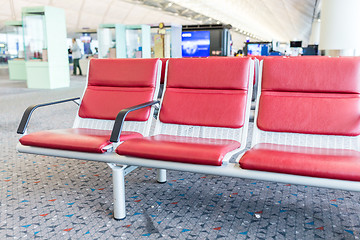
{"points": [[239, 53], [76, 55]]}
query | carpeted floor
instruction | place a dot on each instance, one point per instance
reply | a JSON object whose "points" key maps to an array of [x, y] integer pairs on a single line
{"points": [[57, 198]]}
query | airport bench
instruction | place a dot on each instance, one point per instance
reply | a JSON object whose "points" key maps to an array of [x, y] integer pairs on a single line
{"points": [[202, 123], [306, 128], [205, 107], [307, 123], [116, 88]]}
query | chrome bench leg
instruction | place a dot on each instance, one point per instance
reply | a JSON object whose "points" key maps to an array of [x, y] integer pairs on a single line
{"points": [[118, 191], [161, 175]]}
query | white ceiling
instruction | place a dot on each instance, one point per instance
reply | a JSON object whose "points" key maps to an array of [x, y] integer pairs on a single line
{"points": [[90, 13], [280, 20]]}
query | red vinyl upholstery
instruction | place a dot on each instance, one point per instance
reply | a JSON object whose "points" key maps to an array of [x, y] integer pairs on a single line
{"points": [[123, 72], [313, 113], [201, 92], [203, 151], [74, 139], [314, 95], [115, 84], [233, 72], [311, 74], [206, 92], [311, 95], [106, 102], [304, 161]]}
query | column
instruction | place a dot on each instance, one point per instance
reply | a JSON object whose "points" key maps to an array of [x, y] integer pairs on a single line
{"points": [[339, 34]]}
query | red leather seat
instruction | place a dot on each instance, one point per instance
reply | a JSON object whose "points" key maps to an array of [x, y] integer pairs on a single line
{"points": [[204, 151], [113, 85], [305, 161], [74, 139], [308, 100], [201, 93]]}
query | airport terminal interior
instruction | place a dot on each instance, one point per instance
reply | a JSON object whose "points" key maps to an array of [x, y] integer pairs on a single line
{"points": [[169, 119]]}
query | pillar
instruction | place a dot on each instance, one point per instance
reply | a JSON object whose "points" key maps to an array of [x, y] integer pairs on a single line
{"points": [[339, 34]]}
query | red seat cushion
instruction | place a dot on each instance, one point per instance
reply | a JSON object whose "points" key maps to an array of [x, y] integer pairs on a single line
{"points": [[312, 113], [74, 139], [305, 161], [311, 95], [206, 92], [203, 151], [311, 74], [215, 108], [115, 84]]}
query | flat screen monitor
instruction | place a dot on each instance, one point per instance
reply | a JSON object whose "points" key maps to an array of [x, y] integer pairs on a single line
{"points": [[311, 50], [196, 44], [257, 49], [295, 44]]}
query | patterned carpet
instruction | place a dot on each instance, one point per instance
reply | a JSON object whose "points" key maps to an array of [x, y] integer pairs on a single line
{"points": [[57, 198]]}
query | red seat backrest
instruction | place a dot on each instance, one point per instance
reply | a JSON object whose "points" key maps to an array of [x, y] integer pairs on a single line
{"points": [[115, 84], [206, 92], [314, 95]]}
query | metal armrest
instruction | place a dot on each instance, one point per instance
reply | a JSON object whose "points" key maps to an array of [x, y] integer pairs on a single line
{"points": [[120, 118], [28, 112]]}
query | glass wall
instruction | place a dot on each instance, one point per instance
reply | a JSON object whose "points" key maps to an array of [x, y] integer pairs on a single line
{"points": [[15, 43], [35, 40], [108, 42], [133, 43]]}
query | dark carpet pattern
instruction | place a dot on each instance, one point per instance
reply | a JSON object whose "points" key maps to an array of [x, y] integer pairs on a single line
{"points": [[56, 198]]}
